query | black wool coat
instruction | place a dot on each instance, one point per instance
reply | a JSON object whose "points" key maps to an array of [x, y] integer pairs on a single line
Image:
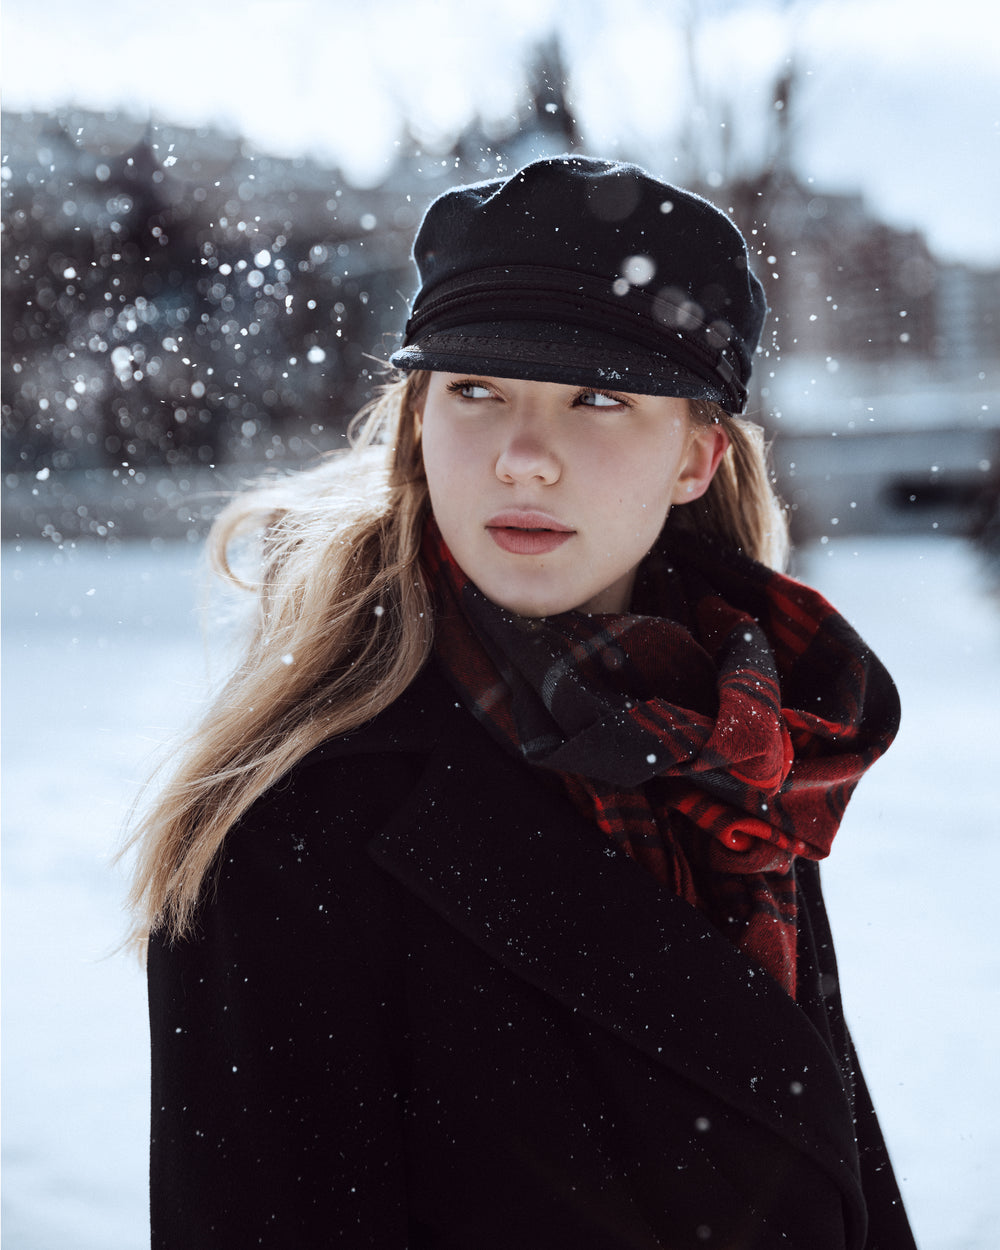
{"points": [[429, 1006]]}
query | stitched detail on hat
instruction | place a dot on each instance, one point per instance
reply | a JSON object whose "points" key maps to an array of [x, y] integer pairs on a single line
{"points": [[668, 324], [538, 287], [542, 351]]}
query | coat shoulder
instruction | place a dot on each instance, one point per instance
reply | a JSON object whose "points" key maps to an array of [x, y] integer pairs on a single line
{"points": [[335, 798]]}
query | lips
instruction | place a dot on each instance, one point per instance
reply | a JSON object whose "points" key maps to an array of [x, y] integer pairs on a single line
{"points": [[527, 532]]}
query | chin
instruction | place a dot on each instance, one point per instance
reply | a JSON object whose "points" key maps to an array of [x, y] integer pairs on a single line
{"points": [[528, 605], [531, 609]]}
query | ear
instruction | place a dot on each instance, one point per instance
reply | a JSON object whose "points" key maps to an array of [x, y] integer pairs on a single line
{"points": [[707, 444]]}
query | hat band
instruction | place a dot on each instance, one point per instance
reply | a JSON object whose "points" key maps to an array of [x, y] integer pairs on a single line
{"points": [[667, 323]]}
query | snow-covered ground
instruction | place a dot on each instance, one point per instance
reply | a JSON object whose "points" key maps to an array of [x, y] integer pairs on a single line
{"points": [[103, 662]]}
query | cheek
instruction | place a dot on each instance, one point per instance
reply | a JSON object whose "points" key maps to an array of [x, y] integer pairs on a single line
{"points": [[438, 454], [453, 481], [644, 491]]}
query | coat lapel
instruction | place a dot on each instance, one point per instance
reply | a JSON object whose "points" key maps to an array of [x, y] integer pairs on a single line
{"points": [[502, 856]]}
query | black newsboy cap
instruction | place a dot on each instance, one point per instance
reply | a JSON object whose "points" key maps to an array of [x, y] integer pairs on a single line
{"points": [[586, 272]]}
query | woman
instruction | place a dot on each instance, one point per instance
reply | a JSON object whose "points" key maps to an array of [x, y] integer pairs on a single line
{"points": [[484, 908]]}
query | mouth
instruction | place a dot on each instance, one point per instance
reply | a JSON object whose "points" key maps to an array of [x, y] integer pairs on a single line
{"points": [[529, 519], [527, 533]]}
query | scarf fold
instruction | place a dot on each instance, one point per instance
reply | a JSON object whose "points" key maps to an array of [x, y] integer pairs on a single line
{"points": [[715, 733]]}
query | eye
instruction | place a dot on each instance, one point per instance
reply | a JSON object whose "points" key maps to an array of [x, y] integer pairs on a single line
{"points": [[597, 399], [470, 390]]}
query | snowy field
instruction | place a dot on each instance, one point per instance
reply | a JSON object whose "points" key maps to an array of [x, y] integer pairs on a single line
{"points": [[103, 661]]}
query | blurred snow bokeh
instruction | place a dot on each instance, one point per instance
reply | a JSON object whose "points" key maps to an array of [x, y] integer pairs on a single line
{"points": [[104, 663]]}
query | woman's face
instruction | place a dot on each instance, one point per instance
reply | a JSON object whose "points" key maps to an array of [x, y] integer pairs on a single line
{"points": [[549, 496]]}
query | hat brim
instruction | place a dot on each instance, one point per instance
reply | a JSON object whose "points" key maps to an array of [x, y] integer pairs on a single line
{"points": [[539, 353]]}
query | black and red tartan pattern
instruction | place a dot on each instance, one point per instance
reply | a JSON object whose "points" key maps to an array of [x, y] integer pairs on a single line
{"points": [[715, 732]]}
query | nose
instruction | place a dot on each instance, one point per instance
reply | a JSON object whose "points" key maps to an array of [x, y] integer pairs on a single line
{"points": [[528, 454]]}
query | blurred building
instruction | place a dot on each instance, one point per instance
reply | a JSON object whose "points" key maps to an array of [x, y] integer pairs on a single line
{"points": [[180, 310]]}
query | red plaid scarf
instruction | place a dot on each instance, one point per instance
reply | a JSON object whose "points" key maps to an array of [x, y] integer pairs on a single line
{"points": [[714, 733]]}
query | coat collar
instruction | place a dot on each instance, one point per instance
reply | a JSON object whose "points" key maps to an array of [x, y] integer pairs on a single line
{"points": [[500, 854]]}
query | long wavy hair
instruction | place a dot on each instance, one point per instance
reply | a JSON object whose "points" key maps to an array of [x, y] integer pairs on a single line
{"points": [[344, 623]]}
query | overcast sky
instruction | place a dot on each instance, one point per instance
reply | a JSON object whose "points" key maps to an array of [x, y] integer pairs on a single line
{"points": [[900, 99]]}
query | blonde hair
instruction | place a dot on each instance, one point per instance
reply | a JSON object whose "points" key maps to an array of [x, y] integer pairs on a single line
{"points": [[344, 624], [740, 507]]}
